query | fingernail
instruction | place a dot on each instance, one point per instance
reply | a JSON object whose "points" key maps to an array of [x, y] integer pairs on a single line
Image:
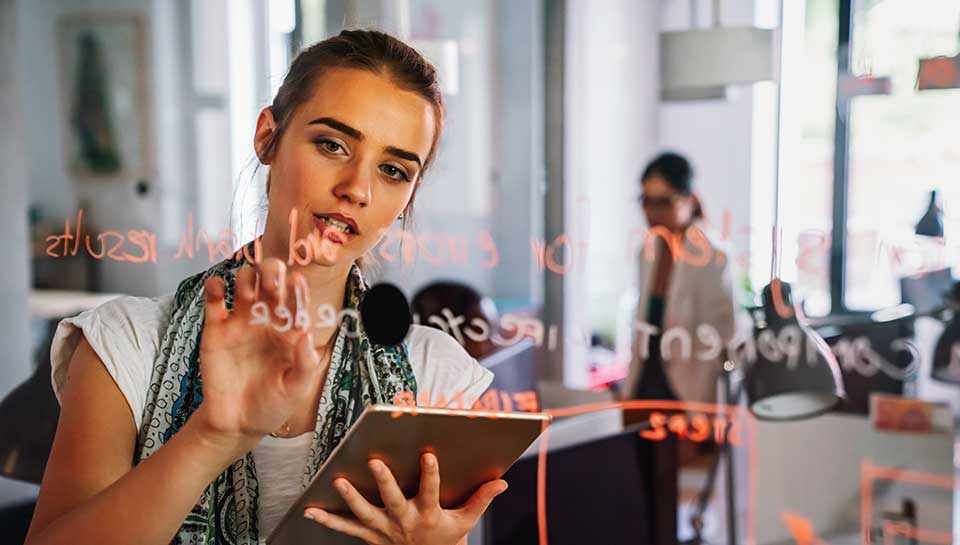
{"points": [[340, 485], [429, 460], [375, 466], [316, 515]]}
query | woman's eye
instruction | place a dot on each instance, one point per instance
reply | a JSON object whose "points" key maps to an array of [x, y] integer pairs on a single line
{"points": [[330, 146], [394, 172]]}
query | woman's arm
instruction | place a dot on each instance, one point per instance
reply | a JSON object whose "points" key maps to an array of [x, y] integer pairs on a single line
{"points": [[92, 493], [255, 377]]}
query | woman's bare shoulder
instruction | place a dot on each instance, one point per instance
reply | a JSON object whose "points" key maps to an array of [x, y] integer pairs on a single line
{"points": [[443, 368], [124, 333]]}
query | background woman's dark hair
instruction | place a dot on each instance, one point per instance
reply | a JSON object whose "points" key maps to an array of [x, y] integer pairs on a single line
{"points": [[677, 172], [369, 50]]}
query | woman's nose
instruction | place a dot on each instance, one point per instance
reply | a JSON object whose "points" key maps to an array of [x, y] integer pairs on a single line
{"points": [[354, 186]]}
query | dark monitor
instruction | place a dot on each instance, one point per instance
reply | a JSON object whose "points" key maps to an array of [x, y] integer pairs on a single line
{"points": [[618, 489], [869, 353], [514, 367], [926, 291]]}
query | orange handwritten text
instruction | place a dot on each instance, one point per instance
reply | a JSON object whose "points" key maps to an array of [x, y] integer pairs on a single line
{"points": [[438, 249], [491, 400], [217, 248], [111, 245], [694, 427]]}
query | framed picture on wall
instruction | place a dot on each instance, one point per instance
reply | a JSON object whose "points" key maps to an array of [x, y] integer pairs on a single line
{"points": [[104, 95]]}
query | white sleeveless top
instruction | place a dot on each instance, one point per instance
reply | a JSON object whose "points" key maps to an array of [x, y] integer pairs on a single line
{"points": [[125, 332], [279, 476]]}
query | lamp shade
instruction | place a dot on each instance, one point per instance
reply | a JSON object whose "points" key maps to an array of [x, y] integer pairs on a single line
{"points": [[699, 63], [795, 374]]}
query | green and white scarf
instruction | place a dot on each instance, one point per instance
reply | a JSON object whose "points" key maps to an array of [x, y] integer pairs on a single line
{"points": [[363, 373]]}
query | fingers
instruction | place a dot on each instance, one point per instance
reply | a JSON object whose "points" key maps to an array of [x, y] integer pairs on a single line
{"points": [[214, 300], [368, 514], [285, 294], [244, 291], [273, 282], [429, 495], [345, 526], [480, 500], [390, 493], [305, 362], [301, 301]]}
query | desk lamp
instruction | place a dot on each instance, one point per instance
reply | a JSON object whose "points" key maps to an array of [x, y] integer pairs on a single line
{"points": [[779, 386], [783, 386]]}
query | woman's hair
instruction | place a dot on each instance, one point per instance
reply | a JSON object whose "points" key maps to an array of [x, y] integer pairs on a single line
{"points": [[369, 50], [677, 172]]}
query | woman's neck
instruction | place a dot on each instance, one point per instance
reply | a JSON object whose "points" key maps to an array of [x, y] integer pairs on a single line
{"points": [[326, 284], [682, 229]]}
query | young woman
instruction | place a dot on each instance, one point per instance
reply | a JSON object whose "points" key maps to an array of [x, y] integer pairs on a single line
{"points": [[146, 453], [684, 282]]}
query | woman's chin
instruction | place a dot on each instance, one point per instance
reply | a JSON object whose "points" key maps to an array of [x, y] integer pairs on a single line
{"points": [[328, 257], [334, 255], [326, 251]]}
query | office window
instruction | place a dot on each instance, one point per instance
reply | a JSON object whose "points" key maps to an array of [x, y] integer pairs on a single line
{"points": [[902, 146], [806, 152]]}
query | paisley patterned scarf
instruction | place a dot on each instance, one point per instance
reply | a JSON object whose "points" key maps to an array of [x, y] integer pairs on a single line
{"points": [[362, 373]]}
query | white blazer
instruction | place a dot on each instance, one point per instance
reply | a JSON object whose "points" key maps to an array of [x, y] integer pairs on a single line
{"points": [[700, 317]]}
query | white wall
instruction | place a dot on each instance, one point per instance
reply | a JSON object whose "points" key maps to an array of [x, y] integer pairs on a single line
{"points": [[14, 312], [611, 127], [812, 469], [730, 142], [518, 176], [113, 204]]}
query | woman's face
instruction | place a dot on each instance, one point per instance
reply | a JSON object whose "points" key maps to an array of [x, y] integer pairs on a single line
{"points": [[348, 164], [663, 206]]}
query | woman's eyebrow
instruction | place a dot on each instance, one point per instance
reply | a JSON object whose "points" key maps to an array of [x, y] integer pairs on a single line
{"points": [[404, 154], [338, 125]]}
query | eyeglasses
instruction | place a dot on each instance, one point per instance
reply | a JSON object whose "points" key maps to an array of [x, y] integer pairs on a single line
{"points": [[658, 203]]}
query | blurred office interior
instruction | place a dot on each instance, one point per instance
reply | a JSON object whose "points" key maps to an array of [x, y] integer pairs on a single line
{"points": [[822, 134]]}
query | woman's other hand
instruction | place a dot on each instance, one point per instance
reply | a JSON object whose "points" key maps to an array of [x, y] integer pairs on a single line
{"points": [[254, 376], [419, 520]]}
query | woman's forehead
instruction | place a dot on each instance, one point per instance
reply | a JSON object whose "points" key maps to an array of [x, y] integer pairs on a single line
{"points": [[373, 105], [655, 186]]}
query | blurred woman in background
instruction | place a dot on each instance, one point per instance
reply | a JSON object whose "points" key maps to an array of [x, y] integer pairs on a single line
{"points": [[684, 283]]}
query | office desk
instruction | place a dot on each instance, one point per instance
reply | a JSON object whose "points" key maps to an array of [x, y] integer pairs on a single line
{"points": [[815, 469]]}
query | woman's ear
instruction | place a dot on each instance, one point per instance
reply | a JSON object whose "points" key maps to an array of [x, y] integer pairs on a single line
{"points": [[697, 207], [266, 129]]}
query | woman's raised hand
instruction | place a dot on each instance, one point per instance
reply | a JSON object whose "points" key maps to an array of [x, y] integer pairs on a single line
{"points": [[254, 376], [417, 521]]}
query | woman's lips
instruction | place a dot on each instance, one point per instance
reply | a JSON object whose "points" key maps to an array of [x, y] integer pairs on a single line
{"points": [[330, 232], [336, 216]]}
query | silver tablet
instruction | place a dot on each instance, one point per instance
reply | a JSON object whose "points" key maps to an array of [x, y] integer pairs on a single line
{"points": [[472, 447]]}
